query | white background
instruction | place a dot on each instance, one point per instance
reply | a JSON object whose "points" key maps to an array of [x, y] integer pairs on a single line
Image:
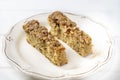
{"points": [[106, 12]]}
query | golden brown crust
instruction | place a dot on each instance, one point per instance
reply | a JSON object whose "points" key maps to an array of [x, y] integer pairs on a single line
{"points": [[39, 38], [66, 30]]}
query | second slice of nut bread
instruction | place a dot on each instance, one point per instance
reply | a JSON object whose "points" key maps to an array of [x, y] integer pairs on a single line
{"points": [[66, 30]]}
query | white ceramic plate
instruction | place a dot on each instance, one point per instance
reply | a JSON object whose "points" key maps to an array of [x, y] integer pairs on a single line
{"points": [[32, 62]]}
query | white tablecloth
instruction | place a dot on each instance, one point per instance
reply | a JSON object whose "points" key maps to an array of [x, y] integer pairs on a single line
{"points": [[103, 11]]}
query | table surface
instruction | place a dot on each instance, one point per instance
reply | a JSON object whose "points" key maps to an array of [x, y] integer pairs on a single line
{"points": [[105, 12]]}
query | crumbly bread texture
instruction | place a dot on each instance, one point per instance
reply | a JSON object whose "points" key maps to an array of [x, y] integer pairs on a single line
{"points": [[43, 41], [66, 30]]}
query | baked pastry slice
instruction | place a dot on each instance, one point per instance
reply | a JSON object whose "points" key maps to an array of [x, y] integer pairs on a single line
{"points": [[66, 30], [43, 41]]}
